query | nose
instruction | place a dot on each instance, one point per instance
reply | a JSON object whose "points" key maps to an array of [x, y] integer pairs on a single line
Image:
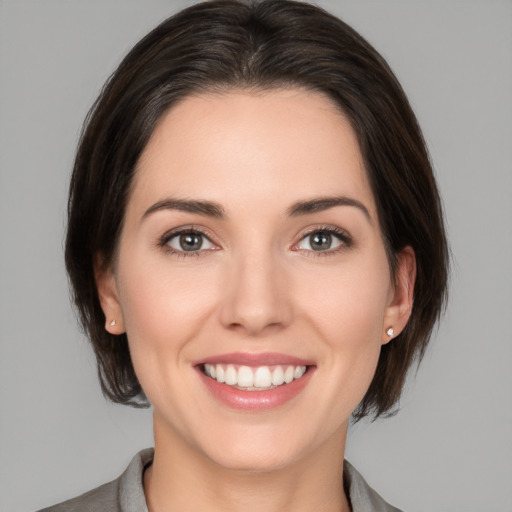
{"points": [[256, 296]]}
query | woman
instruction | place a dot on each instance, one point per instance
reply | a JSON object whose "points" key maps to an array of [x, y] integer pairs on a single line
{"points": [[256, 248]]}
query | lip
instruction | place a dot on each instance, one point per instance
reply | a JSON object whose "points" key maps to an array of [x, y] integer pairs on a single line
{"points": [[248, 359], [255, 400]]}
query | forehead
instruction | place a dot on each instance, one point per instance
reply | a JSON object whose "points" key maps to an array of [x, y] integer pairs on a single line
{"points": [[253, 145]]}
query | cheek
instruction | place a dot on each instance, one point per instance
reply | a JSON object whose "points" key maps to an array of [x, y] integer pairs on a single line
{"points": [[350, 301], [347, 309], [163, 305]]}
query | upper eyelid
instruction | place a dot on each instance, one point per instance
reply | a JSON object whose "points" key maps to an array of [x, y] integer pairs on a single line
{"points": [[171, 233], [330, 229]]}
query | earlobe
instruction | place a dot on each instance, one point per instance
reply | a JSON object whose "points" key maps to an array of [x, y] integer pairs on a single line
{"points": [[399, 308], [109, 297]]}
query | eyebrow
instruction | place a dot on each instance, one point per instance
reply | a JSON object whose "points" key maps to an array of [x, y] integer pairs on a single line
{"points": [[215, 210], [324, 203], [207, 208]]}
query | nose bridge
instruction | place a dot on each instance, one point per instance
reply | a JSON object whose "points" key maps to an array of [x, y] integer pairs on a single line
{"points": [[256, 294]]}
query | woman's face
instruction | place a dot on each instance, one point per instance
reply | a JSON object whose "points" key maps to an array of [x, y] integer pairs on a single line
{"points": [[251, 249]]}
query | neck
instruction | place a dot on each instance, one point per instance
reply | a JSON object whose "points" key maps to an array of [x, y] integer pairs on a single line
{"points": [[182, 478]]}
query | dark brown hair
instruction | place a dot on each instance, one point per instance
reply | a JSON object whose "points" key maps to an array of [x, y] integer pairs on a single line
{"points": [[226, 44]]}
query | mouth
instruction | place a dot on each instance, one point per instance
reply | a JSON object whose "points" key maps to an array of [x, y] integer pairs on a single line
{"points": [[250, 378], [255, 382]]}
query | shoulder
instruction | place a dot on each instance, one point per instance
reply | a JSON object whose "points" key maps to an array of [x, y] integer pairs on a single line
{"points": [[101, 498], [362, 497], [124, 494]]}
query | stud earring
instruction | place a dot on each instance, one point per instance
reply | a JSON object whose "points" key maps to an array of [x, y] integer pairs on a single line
{"points": [[112, 323], [390, 332]]}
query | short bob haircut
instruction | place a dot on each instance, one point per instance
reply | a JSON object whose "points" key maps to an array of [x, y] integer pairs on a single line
{"points": [[222, 45]]}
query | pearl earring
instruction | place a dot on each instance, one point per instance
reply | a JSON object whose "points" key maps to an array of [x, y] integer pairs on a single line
{"points": [[390, 332], [112, 323]]}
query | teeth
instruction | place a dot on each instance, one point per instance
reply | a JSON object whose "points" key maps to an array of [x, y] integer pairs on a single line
{"points": [[299, 371], [277, 376], [261, 377], [221, 374], [289, 374], [245, 377], [231, 375]]}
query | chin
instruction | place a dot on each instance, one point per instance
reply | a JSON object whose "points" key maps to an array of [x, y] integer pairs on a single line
{"points": [[259, 449], [257, 460]]}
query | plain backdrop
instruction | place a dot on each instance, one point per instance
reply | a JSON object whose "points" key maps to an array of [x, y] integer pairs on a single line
{"points": [[450, 448]]}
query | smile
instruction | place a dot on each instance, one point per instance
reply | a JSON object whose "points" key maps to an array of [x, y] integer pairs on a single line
{"points": [[257, 378], [255, 382]]}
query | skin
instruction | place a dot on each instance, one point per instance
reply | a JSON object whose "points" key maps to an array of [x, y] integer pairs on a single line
{"points": [[255, 286]]}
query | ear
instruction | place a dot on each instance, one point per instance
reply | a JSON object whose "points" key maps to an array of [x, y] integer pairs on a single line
{"points": [[109, 297], [401, 297]]}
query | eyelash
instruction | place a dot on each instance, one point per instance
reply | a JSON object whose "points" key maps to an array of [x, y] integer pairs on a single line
{"points": [[340, 234], [163, 243]]}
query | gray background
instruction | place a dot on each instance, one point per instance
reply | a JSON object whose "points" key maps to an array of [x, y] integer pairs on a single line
{"points": [[450, 448]]}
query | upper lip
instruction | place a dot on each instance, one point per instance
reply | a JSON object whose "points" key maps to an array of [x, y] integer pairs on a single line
{"points": [[248, 359]]}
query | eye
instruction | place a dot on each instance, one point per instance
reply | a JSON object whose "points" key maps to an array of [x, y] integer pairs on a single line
{"points": [[189, 241], [322, 240]]}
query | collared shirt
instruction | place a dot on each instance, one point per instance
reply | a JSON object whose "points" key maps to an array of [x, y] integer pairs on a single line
{"points": [[126, 493]]}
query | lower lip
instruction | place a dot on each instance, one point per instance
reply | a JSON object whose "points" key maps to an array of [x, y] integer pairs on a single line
{"points": [[256, 400]]}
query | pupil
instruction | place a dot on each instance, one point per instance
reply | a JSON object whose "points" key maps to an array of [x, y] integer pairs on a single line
{"points": [[190, 242], [321, 241]]}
